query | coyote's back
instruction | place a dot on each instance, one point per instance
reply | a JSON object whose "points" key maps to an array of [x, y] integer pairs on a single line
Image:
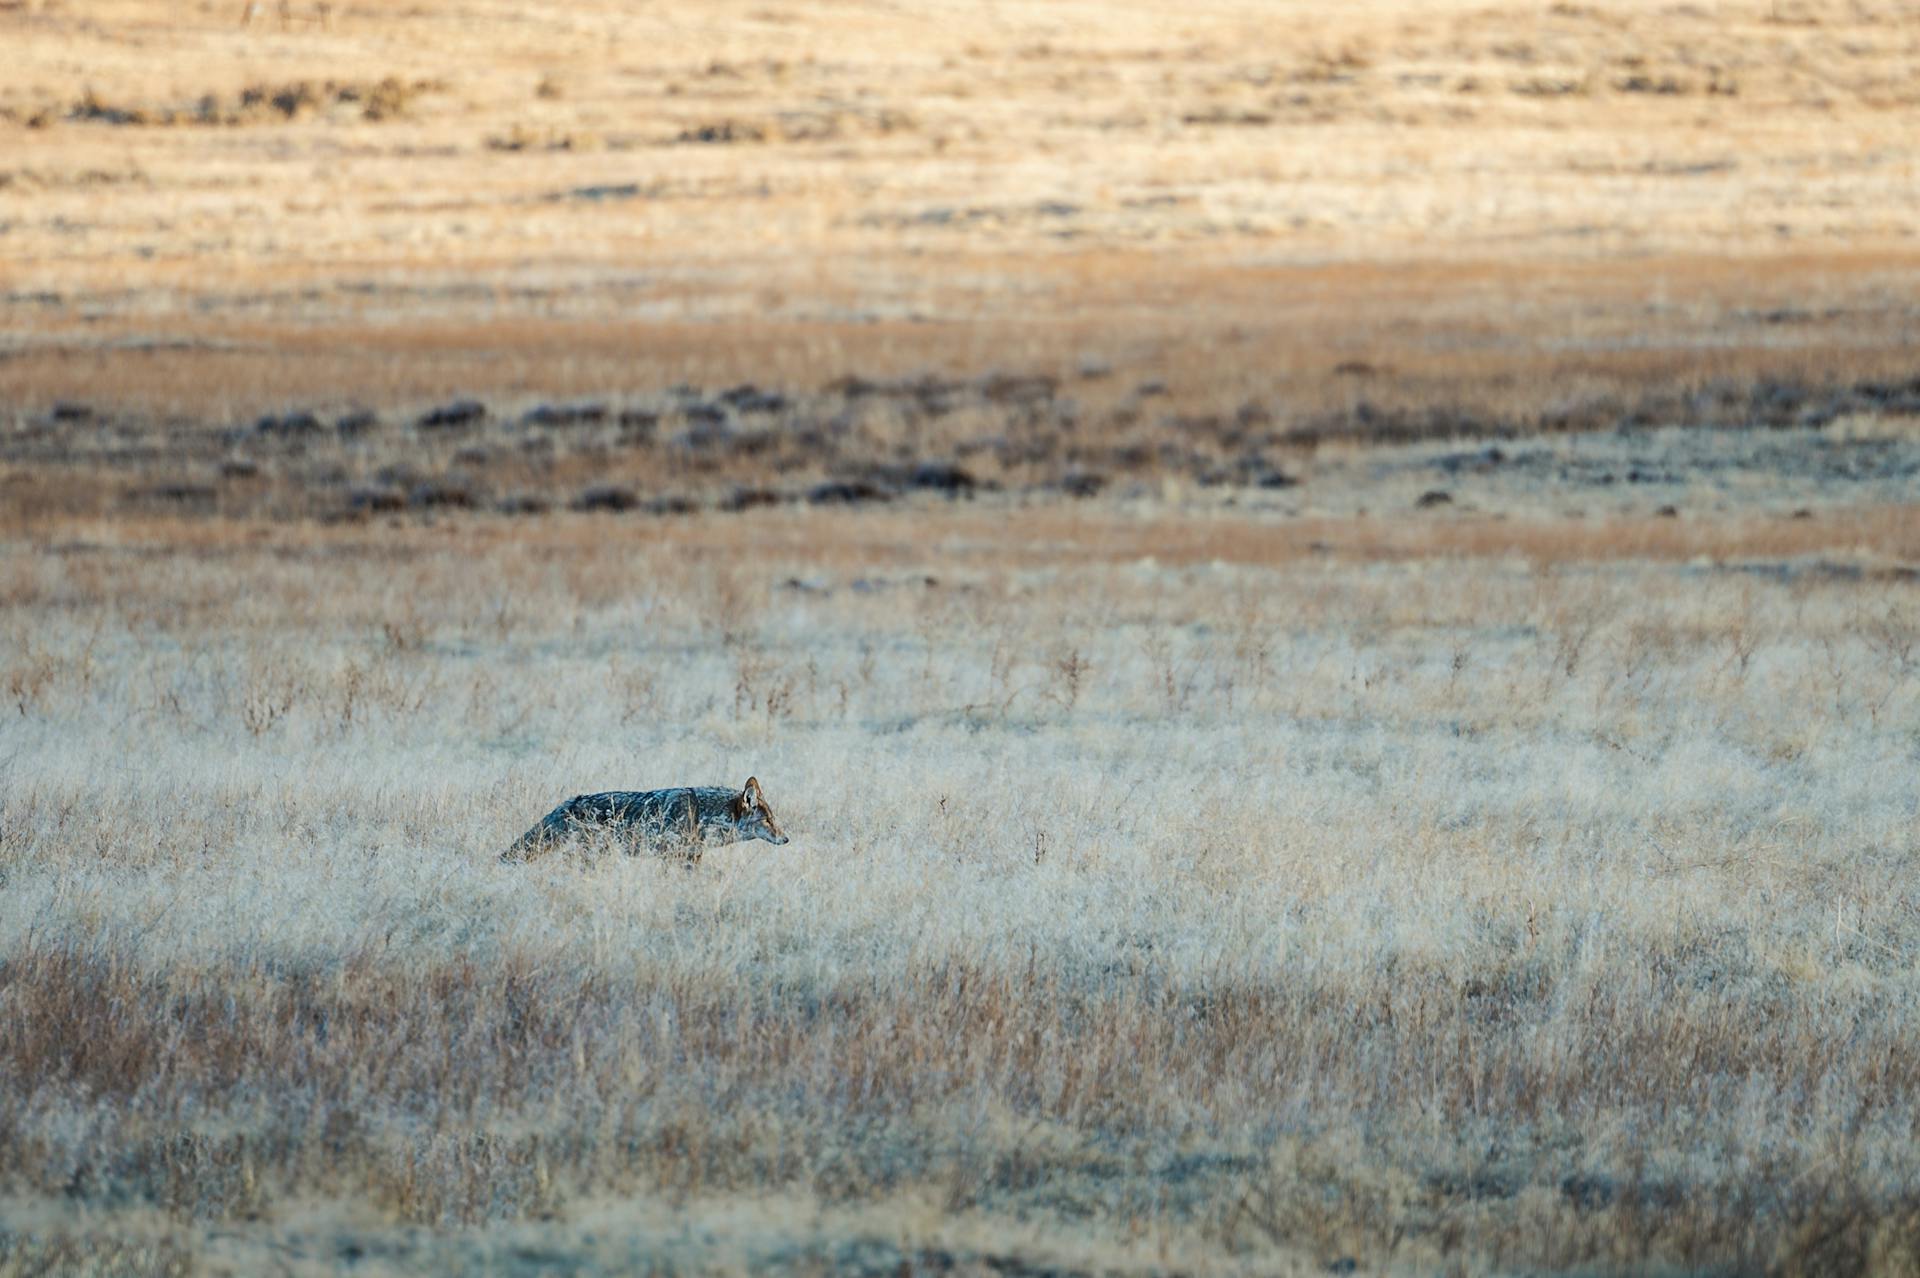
{"points": [[682, 821]]}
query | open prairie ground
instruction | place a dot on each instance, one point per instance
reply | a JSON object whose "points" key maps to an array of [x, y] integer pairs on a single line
{"points": [[1330, 595], [1517, 210]]}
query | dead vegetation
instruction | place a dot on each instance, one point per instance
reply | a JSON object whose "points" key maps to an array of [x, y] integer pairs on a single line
{"points": [[1167, 892], [1500, 204], [1329, 593], [384, 99], [859, 441]]}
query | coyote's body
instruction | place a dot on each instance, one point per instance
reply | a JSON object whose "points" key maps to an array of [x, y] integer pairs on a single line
{"points": [[683, 821]]}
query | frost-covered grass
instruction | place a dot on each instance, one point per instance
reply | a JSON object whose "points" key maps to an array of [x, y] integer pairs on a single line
{"points": [[1503, 910]]}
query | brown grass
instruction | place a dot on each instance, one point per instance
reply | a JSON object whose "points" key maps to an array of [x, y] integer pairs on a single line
{"points": [[1044, 535], [1494, 209], [1422, 815]]}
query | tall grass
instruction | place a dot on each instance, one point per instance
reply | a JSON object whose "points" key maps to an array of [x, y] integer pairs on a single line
{"points": [[1461, 912]]}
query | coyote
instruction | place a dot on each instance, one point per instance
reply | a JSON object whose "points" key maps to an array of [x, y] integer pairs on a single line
{"points": [[683, 822]]}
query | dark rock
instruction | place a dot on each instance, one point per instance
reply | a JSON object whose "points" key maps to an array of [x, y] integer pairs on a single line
{"points": [[457, 415], [847, 492], [724, 131], [749, 498], [851, 387], [1434, 497], [440, 494], [748, 398], [523, 504], [1775, 402], [376, 498], [290, 425], [607, 497], [1479, 460], [706, 435], [934, 397], [942, 477], [1589, 1193], [672, 504], [1884, 393], [608, 191], [564, 414], [182, 492]]}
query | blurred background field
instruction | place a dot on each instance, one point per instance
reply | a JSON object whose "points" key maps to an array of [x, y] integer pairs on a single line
{"points": [[1511, 206]]}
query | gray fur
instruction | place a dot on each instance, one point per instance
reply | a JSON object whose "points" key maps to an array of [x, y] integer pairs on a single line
{"points": [[683, 821]]}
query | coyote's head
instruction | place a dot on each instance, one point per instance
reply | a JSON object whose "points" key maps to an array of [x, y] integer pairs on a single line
{"points": [[752, 818]]}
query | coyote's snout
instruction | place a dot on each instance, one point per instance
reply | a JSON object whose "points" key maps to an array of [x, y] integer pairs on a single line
{"points": [[684, 821]]}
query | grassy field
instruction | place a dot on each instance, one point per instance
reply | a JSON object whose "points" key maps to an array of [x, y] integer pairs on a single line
{"points": [[1207, 890], [1330, 596], [1512, 207]]}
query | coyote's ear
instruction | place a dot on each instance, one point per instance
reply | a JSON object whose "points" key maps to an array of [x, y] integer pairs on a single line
{"points": [[750, 792]]}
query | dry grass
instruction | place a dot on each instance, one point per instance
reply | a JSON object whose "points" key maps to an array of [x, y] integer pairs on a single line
{"points": [[1778, 450], [1536, 899], [1488, 853], [1503, 209]]}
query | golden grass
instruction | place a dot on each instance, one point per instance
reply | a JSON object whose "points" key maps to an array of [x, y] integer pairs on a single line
{"points": [[1489, 206], [1042, 535]]}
